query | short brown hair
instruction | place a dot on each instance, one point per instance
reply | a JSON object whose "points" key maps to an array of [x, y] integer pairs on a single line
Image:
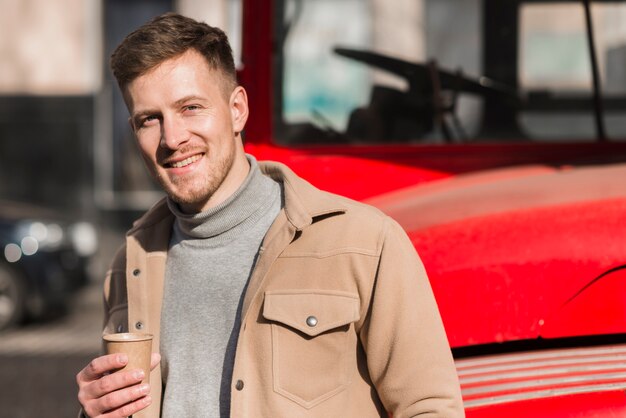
{"points": [[168, 36]]}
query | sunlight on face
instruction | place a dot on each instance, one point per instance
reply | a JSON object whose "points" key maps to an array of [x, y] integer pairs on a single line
{"points": [[188, 130]]}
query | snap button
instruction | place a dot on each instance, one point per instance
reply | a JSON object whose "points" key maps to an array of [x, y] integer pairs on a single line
{"points": [[136, 272], [239, 385], [311, 321], [139, 325]]}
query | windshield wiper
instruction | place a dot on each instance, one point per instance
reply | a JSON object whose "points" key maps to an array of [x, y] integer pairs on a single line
{"points": [[597, 93]]}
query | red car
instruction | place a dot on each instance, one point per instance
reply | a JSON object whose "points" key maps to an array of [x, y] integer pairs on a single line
{"points": [[495, 133]]}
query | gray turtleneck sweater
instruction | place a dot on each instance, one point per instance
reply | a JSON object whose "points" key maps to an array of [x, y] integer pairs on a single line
{"points": [[210, 259]]}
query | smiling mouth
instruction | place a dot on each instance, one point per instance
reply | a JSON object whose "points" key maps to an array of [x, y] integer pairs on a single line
{"points": [[186, 161]]}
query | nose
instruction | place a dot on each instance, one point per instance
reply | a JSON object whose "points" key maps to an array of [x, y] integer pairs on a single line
{"points": [[173, 133]]}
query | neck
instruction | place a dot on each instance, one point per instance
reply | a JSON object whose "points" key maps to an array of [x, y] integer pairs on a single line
{"points": [[242, 208]]}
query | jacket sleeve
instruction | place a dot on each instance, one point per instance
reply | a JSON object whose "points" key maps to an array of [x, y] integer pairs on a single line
{"points": [[113, 298], [408, 355]]}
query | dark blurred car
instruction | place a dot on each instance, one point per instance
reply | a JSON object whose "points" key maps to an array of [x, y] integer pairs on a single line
{"points": [[44, 260]]}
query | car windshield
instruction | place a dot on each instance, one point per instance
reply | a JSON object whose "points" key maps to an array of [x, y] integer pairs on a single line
{"points": [[444, 71]]}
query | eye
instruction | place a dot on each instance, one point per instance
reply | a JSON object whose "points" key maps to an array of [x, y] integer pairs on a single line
{"points": [[148, 121], [191, 108]]}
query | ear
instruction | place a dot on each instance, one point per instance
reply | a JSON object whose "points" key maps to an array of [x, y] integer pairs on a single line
{"points": [[239, 108]]}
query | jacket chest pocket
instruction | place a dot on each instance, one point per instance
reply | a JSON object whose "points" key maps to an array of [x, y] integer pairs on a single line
{"points": [[313, 342]]}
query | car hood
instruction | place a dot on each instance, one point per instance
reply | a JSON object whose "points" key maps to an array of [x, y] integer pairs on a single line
{"points": [[500, 191], [510, 252]]}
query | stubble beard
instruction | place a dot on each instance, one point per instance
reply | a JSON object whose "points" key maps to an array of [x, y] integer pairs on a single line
{"points": [[198, 190]]}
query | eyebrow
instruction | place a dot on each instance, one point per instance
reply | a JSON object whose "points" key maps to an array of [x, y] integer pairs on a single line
{"points": [[136, 117], [187, 98]]}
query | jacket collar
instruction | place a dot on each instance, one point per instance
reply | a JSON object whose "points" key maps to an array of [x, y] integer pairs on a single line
{"points": [[303, 202], [158, 213]]}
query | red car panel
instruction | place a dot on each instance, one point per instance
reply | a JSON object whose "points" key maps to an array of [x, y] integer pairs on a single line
{"points": [[579, 382], [543, 248]]}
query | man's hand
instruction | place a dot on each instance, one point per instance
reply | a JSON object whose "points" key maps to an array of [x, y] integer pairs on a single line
{"points": [[103, 393]]}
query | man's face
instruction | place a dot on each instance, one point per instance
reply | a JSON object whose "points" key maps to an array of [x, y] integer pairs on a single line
{"points": [[187, 127]]}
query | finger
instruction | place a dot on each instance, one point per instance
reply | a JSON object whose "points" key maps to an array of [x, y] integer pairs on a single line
{"points": [[115, 402], [113, 382], [154, 360], [112, 391], [101, 365], [130, 409]]}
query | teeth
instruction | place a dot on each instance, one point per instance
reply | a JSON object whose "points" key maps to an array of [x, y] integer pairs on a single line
{"points": [[185, 162]]}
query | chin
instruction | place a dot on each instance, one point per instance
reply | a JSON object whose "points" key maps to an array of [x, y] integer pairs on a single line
{"points": [[190, 199], [184, 200]]}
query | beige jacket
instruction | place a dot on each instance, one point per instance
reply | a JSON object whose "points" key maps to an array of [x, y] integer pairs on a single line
{"points": [[338, 319]]}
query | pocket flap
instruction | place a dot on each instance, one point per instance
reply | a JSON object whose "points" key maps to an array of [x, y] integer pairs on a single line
{"points": [[311, 312]]}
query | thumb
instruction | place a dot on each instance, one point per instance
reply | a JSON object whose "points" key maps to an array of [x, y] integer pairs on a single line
{"points": [[154, 360]]}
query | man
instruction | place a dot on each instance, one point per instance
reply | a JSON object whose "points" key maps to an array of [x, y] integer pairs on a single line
{"points": [[266, 296]]}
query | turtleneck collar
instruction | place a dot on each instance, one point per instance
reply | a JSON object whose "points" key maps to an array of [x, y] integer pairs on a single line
{"points": [[250, 201]]}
